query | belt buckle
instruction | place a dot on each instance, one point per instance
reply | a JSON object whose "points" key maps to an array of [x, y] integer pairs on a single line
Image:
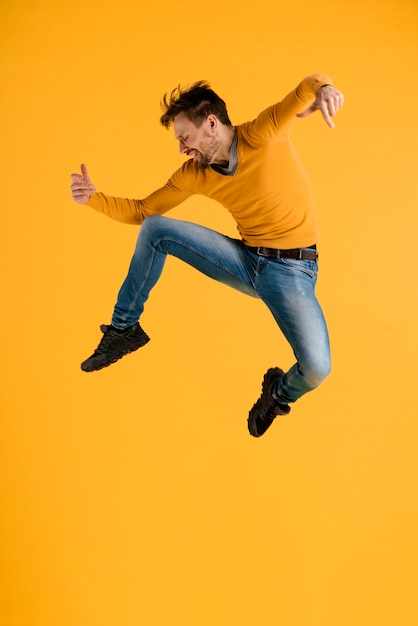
{"points": [[264, 252]]}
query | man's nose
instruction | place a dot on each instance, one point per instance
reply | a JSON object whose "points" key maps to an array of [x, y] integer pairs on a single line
{"points": [[183, 147]]}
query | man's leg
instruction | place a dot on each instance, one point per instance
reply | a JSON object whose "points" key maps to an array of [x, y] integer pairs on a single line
{"points": [[287, 286], [213, 254], [219, 257]]}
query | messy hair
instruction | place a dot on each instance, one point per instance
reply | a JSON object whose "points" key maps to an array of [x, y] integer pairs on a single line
{"points": [[196, 102]]}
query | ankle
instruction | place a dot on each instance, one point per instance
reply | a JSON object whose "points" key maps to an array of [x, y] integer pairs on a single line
{"points": [[120, 331]]}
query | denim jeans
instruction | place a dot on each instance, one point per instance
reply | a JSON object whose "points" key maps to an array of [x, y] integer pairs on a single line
{"points": [[286, 286]]}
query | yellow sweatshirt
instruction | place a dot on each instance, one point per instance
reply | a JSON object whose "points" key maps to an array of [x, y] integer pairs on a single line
{"points": [[268, 195]]}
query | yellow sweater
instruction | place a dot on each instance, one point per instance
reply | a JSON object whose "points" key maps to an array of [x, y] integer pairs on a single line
{"points": [[268, 195]]}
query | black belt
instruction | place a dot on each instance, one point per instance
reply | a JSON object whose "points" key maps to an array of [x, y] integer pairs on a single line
{"points": [[301, 254]]}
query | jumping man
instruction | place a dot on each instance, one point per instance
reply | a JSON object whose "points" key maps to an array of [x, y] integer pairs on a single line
{"points": [[253, 171]]}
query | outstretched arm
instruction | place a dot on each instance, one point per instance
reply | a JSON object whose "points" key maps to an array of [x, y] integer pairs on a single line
{"points": [[128, 211], [328, 100], [82, 187]]}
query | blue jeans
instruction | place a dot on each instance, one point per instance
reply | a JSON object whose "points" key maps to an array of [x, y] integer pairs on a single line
{"points": [[286, 286]]}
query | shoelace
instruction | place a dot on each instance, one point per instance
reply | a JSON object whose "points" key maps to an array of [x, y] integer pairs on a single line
{"points": [[268, 411], [107, 339]]}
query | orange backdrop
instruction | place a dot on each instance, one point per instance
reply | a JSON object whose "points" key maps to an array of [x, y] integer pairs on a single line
{"points": [[135, 495]]}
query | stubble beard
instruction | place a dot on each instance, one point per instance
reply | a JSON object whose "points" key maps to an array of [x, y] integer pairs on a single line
{"points": [[206, 158]]}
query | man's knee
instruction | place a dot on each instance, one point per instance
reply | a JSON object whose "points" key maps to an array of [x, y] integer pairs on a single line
{"points": [[151, 223], [316, 372], [152, 228]]}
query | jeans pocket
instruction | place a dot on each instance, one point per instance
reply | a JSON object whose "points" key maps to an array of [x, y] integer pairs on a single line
{"points": [[310, 268]]}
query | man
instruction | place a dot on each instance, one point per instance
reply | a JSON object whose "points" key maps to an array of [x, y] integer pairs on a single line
{"points": [[253, 171]]}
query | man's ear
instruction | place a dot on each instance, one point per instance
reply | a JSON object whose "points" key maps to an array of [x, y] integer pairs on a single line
{"points": [[212, 120]]}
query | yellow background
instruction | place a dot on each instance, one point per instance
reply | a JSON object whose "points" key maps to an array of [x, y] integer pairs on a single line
{"points": [[135, 495]]}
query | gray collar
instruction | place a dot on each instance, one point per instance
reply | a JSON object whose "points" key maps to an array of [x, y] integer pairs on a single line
{"points": [[233, 160]]}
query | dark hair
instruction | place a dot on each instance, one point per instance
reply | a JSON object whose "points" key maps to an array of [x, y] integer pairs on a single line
{"points": [[197, 102]]}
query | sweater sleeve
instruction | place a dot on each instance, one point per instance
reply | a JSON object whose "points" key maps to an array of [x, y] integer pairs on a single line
{"points": [[278, 118], [130, 211]]}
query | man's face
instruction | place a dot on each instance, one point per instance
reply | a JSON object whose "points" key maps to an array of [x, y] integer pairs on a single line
{"points": [[201, 142]]}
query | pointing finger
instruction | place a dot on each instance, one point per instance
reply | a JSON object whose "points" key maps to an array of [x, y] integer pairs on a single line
{"points": [[327, 117]]}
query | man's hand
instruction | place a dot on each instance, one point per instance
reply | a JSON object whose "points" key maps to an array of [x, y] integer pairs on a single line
{"points": [[328, 100], [82, 187]]}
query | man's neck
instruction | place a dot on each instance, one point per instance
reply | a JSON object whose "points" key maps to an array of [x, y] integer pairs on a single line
{"points": [[226, 137]]}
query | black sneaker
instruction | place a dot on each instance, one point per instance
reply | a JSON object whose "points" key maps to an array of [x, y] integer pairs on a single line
{"points": [[266, 408], [114, 345]]}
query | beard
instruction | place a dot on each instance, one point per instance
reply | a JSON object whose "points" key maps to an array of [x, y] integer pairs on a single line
{"points": [[204, 159]]}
